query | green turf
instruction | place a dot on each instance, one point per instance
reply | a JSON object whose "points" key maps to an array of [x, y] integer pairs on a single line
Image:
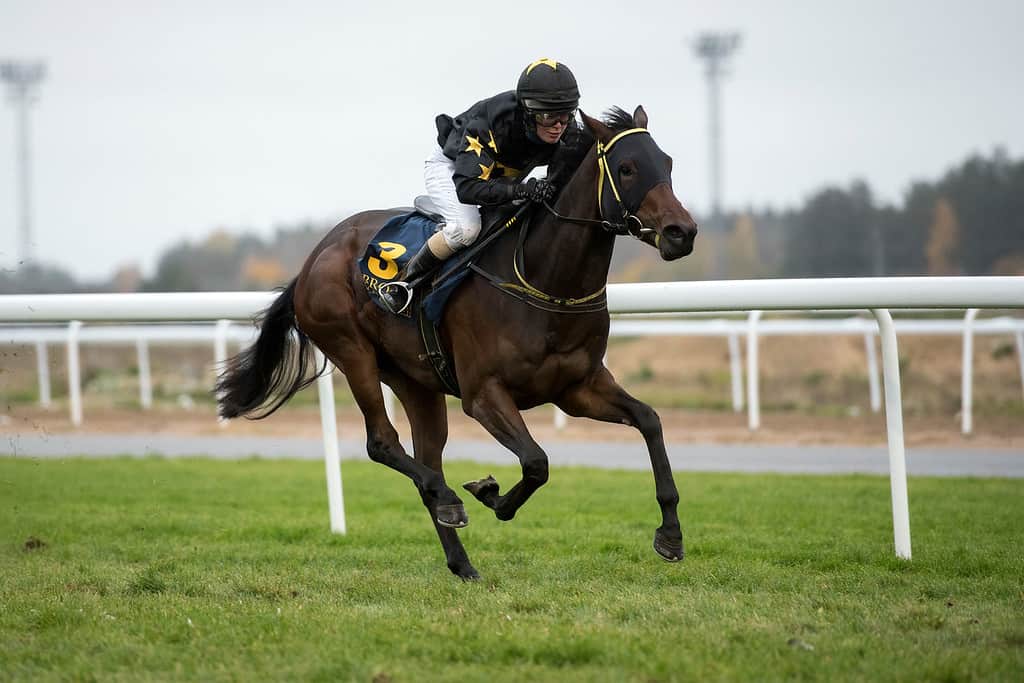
{"points": [[204, 570]]}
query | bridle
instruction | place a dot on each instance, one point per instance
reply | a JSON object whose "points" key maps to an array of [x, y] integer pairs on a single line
{"points": [[627, 223]]}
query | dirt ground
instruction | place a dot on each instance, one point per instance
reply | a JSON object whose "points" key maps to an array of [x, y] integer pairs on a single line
{"points": [[813, 390], [680, 426]]}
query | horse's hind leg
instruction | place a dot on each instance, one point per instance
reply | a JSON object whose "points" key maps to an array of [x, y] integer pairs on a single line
{"points": [[603, 399], [493, 408], [428, 418], [382, 445]]}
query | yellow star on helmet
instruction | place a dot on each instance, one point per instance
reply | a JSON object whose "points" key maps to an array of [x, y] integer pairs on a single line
{"points": [[543, 60], [491, 143], [474, 145], [485, 171]]}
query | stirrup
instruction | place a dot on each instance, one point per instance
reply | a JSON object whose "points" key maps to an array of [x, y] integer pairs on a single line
{"points": [[385, 295]]}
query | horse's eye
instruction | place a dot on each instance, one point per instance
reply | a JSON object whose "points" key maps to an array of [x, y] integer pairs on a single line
{"points": [[625, 171]]}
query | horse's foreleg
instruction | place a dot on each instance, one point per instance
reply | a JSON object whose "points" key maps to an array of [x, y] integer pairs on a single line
{"points": [[382, 444], [428, 418], [493, 408], [601, 398]]}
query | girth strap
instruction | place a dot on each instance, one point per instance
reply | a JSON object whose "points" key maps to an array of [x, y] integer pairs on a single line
{"points": [[435, 353]]}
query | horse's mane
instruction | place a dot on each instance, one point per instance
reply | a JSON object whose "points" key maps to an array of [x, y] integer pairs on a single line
{"points": [[577, 142], [618, 120]]}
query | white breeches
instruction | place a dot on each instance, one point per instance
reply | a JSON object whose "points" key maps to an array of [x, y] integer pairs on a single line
{"points": [[462, 221]]}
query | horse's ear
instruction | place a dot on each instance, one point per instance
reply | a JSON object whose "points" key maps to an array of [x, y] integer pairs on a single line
{"points": [[599, 130], [640, 116]]}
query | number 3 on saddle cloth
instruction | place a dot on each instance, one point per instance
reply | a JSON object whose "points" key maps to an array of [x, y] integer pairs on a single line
{"points": [[389, 251]]}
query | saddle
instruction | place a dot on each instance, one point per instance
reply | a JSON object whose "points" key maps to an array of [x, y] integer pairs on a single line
{"points": [[395, 243]]}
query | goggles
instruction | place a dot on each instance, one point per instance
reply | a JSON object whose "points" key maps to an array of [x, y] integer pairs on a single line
{"points": [[549, 118]]}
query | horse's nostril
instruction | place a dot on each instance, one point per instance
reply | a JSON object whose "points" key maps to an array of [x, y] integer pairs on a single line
{"points": [[675, 233]]}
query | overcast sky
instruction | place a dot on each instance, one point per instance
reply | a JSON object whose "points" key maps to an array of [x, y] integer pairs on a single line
{"points": [[160, 122]]}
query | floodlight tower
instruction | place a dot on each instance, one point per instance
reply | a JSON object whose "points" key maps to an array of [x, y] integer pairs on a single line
{"points": [[715, 49], [22, 79]]}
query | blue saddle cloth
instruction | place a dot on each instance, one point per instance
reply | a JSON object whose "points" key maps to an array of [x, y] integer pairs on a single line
{"points": [[389, 251]]}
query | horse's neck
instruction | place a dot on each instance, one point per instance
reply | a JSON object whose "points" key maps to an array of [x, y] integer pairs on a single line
{"points": [[570, 259]]}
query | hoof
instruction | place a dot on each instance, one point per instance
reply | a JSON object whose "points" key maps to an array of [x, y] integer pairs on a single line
{"points": [[466, 573], [483, 490], [453, 516], [668, 549]]}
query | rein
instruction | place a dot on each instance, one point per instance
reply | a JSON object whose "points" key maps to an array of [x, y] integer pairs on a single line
{"points": [[537, 298]]}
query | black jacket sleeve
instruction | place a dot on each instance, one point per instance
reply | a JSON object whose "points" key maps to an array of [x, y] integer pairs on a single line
{"points": [[477, 174]]}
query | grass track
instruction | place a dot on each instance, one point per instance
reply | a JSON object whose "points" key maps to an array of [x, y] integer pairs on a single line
{"points": [[196, 569]]}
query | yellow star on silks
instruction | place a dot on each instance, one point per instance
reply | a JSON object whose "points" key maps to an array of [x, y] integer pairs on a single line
{"points": [[474, 145], [543, 60], [491, 143], [485, 171]]}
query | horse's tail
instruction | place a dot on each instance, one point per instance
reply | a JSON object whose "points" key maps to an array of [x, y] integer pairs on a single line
{"points": [[258, 380]]}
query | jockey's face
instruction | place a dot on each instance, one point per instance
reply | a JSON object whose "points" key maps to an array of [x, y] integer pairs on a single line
{"points": [[551, 133]]}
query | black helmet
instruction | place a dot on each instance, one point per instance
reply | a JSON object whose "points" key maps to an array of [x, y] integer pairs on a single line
{"points": [[546, 85]]}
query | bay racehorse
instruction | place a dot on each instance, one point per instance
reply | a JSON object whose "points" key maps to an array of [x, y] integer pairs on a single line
{"points": [[528, 327]]}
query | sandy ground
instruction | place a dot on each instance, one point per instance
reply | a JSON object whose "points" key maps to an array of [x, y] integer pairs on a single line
{"points": [[680, 426], [821, 379]]}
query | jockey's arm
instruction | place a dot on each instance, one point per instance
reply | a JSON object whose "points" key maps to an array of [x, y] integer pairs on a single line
{"points": [[483, 192], [478, 176]]}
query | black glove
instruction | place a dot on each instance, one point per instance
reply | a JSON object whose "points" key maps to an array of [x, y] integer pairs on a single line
{"points": [[535, 190]]}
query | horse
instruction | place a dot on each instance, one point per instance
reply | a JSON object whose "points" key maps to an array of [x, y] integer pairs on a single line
{"points": [[544, 344]]}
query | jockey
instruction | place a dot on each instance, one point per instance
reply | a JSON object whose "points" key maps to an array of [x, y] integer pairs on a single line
{"points": [[481, 155]]}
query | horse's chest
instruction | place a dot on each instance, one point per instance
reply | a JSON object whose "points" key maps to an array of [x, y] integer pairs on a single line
{"points": [[549, 364], [551, 347]]}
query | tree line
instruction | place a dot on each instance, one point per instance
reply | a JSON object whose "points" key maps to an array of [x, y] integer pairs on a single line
{"points": [[969, 222]]}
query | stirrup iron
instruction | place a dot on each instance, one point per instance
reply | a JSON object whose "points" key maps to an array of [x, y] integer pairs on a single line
{"points": [[403, 286]]}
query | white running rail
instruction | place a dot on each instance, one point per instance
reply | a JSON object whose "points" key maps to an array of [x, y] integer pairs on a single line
{"points": [[876, 294]]}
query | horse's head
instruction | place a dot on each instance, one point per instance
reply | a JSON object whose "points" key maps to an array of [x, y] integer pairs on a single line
{"points": [[635, 184]]}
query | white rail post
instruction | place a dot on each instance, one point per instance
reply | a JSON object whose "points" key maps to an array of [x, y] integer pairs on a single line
{"points": [[220, 354], [894, 427], [332, 458], [1020, 356], [560, 419], [873, 389], [967, 374], [389, 402], [145, 380], [74, 373], [220, 343], [735, 372], [753, 399], [43, 372]]}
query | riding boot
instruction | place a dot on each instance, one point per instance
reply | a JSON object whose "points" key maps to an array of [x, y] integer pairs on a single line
{"points": [[397, 294]]}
